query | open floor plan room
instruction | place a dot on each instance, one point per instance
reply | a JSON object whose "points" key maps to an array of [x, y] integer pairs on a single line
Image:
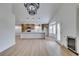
{"points": [[39, 29]]}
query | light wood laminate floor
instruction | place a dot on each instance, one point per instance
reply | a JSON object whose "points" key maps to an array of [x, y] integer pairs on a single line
{"points": [[36, 47]]}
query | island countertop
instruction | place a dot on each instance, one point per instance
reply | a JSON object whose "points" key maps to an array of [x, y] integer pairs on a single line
{"points": [[31, 32], [32, 35]]}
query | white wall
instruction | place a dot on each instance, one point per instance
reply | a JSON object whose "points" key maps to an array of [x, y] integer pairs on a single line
{"points": [[67, 18], [77, 29], [7, 27], [78, 21]]}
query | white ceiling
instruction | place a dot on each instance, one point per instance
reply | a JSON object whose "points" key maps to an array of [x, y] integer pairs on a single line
{"points": [[44, 13]]}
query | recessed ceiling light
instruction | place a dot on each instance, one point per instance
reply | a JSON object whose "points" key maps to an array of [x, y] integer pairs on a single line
{"points": [[38, 18], [32, 18], [27, 18]]}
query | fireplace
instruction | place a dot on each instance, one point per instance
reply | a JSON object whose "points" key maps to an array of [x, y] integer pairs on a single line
{"points": [[71, 43]]}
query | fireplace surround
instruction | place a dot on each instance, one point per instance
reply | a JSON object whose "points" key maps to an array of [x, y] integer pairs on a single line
{"points": [[71, 44]]}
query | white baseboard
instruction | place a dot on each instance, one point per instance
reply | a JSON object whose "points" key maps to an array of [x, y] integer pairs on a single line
{"points": [[7, 47]]}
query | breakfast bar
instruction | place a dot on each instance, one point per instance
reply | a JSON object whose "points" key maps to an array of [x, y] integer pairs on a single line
{"points": [[32, 35]]}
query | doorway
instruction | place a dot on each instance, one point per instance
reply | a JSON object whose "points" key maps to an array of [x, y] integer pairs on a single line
{"points": [[54, 30]]}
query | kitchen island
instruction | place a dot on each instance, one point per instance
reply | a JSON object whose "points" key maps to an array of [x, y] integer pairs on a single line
{"points": [[32, 35]]}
